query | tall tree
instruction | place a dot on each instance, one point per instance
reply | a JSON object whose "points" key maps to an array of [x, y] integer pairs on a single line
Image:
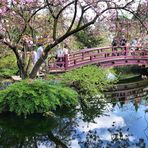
{"points": [[23, 20]]}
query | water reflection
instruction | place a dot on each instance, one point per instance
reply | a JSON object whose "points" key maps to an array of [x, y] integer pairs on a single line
{"points": [[121, 120], [124, 123]]}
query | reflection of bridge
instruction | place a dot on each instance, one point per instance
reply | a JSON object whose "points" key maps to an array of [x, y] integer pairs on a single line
{"points": [[105, 57], [135, 89]]}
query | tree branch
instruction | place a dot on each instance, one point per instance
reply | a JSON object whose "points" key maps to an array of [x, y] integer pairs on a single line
{"points": [[34, 13], [74, 17], [50, 9], [141, 21], [57, 17]]}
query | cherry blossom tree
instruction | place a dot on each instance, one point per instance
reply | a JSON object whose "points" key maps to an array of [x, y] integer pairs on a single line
{"points": [[22, 21]]}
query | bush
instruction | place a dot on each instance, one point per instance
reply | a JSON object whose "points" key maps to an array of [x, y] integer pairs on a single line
{"points": [[9, 61], [89, 81], [35, 96], [7, 73], [88, 40]]}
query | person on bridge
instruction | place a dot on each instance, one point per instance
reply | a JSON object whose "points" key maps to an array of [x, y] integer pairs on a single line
{"points": [[123, 42], [139, 44], [134, 44], [59, 56], [65, 49], [114, 45]]}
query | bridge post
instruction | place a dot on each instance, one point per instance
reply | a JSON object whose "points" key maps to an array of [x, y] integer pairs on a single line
{"points": [[82, 55], [66, 61], [126, 49]]}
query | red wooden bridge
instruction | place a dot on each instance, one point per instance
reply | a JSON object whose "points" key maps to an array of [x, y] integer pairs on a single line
{"points": [[105, 57]]}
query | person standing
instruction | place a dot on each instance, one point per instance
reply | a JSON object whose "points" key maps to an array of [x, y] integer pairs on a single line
{"points": [[134, 44], [65, 50], [59, 56], [34, 57], [66, 54], [114, 46], [38, 54], [40, 50], [123, 42]]}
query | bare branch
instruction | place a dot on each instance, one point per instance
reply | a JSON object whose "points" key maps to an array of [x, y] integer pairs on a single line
{"points": [[141, 21], [57, 17], [50, 9], [66, 35], [64, 9], [35, 12], [81, 17], [21, 34], [83, 10], [74, 17]]}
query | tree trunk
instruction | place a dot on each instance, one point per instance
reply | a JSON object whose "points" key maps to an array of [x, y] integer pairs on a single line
{"points": [[38, 65], [21, 70]]}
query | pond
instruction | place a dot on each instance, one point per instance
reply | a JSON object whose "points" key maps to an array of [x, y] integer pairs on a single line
{"points": [[122, 123]]}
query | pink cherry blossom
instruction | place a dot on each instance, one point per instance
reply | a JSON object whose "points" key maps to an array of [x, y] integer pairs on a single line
{"points": [[3, 10]]}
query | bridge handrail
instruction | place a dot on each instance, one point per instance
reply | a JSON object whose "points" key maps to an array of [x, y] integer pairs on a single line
{"points": [[103, 48], [90, 49], [107, 54]]}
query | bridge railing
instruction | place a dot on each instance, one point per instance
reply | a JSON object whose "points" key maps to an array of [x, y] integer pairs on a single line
{"points": [[94, 55], [98, 54]]}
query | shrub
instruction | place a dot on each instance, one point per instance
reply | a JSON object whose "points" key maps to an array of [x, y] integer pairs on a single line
{"points": [[89, 81], [87, 40], [8, 61], [6, 73], [35, 96]]}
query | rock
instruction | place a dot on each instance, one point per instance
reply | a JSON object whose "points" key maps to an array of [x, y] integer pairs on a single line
{"points": [[16, 78]]}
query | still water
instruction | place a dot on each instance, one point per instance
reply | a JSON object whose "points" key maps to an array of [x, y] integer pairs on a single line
{"points": [[122, 123]]}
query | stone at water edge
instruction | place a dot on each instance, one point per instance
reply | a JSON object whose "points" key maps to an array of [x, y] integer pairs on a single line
{"points": [[16, 78]]}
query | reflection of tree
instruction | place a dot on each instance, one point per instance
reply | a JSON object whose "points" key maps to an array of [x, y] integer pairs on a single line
{"points": [[66, 125], [17, 132], [119, 139], [31, 132], [60, 130], [56, 140], [93, 109]]}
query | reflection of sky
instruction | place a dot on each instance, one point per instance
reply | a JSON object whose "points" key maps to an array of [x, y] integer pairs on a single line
{"points": [[136, 121], [125, 117]]}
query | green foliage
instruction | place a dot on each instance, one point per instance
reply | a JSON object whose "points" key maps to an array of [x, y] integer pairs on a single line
{"points": [[35, 96], [6, 73], [14, 33], [89, 81], [127, 72], [35, 123], [127, 69], [8, 65], [87, 40], [8, 61]]}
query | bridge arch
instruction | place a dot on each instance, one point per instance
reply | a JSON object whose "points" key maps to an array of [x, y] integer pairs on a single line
{"points": [[104, 57]]}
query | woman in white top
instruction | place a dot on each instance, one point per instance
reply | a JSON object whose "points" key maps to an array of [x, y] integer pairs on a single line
{"points": [[59, 56], [39, 51], [34, 57]]}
